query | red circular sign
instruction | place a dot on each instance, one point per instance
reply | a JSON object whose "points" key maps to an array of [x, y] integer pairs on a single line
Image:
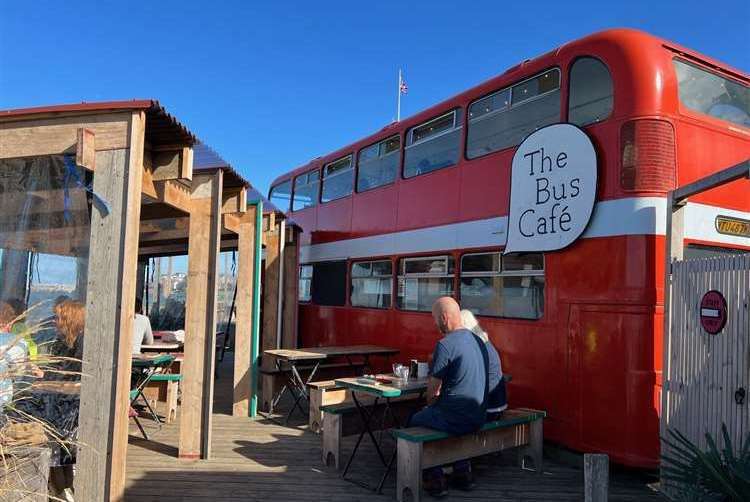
{"points": [[713, 312]]}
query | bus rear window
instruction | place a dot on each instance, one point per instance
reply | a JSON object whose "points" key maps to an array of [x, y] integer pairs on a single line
{"points": [[711, 94]]}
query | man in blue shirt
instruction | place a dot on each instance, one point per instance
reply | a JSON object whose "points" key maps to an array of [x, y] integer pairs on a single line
{"points": [[456, 390]]}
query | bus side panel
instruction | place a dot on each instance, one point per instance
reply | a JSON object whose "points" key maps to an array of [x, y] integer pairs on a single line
{"points": [[429, 200], [321, 326], [615, 360], [374, 212], [488, 175], [374, 327], [307, 220], [334, 221], [703, 150]]}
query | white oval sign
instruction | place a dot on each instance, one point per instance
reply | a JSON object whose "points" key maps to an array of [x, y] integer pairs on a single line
{"points": [[553, 188]]}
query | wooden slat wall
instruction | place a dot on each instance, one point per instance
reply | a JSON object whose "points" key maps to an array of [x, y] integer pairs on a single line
{"points": [[704, 370], [200, 317], [291, 280], [103, 418], [244, 306], [270, 292]]}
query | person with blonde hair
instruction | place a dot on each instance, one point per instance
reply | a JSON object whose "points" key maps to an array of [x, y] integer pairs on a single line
{"points": [[497, 401]]}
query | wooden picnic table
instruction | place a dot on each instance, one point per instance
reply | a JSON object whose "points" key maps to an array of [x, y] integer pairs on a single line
{"points": [[293, 357], [384, 391]]}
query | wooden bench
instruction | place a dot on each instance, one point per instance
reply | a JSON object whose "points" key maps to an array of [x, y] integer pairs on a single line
{"points": [[273, 379], [343, 419], [324, 393], [420, 448], [164, 387]]}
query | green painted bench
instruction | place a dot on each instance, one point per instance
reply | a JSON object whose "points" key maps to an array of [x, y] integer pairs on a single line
{"points": [[419, 448]]}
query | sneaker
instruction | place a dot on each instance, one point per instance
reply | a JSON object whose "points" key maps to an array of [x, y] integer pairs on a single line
{"points": [[436, 486], [464, 481]]}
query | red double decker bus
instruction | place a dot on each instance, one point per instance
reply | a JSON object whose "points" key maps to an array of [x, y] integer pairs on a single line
{"points": [[420, 209]]}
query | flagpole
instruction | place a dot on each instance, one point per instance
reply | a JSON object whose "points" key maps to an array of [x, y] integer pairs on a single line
{"points": [[398, 99]]}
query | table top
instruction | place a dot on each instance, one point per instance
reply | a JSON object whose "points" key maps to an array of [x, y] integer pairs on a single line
{"points": [[396, 388], [313, 353], [161, 347], [146, 360]]}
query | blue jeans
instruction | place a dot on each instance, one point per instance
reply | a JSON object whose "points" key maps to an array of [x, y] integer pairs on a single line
{"points": [[431, 417]]}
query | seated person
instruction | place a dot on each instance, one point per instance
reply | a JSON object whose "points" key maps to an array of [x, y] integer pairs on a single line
{"points": [[496, 398], [456, 391], [142, 334]]}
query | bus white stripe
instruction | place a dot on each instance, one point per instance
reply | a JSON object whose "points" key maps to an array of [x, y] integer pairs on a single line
{"points": [[630, 216]]}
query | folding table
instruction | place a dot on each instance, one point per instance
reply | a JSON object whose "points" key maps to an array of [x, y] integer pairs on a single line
{"points": [[144, 367], [381, 391], [315, 355]]}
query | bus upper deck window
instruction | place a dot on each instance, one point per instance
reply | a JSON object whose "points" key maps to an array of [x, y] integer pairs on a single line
{"points": [[281, 195], [306, 190], [377, 164], [504, 118], [338, 179], [711, 94], [591, 92], [433, 145]]}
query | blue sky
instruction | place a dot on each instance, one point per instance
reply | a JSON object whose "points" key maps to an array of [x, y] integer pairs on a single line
{"points": [[271, 85]]}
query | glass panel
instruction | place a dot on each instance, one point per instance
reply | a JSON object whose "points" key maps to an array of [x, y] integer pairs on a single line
{"points": [[432, 128], [419, 293], [546, 82], [382, 268], [523, 261], [428, 265], [492, 103], [591, 93], [362, 269], [166, 292], [281, 195], [338, 179], [437, 153], [482, 262], [305, 190], [708, 93], [329, 283], [378, 164], [502, 296], [502, 130], [305, 280], [372, 284]]}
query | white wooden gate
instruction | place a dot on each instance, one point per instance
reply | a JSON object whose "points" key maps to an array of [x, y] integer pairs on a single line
{"points": [[707, 377]]}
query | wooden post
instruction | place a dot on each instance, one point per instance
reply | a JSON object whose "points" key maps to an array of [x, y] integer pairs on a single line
{"points": [[244, 319], [14, 269], [674, 240], [110, 299], [289, 297], [270, 292], [596, 477], [200, 317]]}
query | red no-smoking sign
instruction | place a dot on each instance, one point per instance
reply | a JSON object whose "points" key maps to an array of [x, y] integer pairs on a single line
{"points": [[713, 312]]}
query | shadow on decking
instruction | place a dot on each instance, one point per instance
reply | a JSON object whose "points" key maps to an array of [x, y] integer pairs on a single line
{"points": [[263, 460]]}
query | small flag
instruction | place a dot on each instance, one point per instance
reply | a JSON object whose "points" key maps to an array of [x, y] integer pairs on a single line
{"points": [[402, 87]]}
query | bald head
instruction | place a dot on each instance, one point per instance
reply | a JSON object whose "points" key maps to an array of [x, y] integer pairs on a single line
{"points": [[447, 314]]}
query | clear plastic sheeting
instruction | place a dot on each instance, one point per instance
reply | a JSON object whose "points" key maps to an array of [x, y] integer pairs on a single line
{"points": [[44, 233]]}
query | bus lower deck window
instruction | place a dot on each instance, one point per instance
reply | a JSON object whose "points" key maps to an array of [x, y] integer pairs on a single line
{"points": [[503, 286], [422, 280], [372, 284]]}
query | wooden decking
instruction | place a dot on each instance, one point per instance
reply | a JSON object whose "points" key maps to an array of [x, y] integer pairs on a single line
{"points": [[259, 460]]}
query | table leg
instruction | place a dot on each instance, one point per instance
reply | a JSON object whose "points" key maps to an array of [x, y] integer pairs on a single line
{"points": [[366, 417], [299, 388]]}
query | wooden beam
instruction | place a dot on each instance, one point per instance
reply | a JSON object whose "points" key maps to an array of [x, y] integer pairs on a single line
{"points": [[103, 418], [86, 149], [172, 164], [52, 136], [200, 317], [235, 200], [232, 222], [291, 282], [244, 306], [270, 296]]}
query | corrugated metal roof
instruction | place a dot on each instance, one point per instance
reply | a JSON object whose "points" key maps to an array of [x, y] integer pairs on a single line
{"points": [[162, 128], [206, 160]]}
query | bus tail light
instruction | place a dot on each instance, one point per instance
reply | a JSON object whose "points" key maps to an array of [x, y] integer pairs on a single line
{"points": [[647, 155]]}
